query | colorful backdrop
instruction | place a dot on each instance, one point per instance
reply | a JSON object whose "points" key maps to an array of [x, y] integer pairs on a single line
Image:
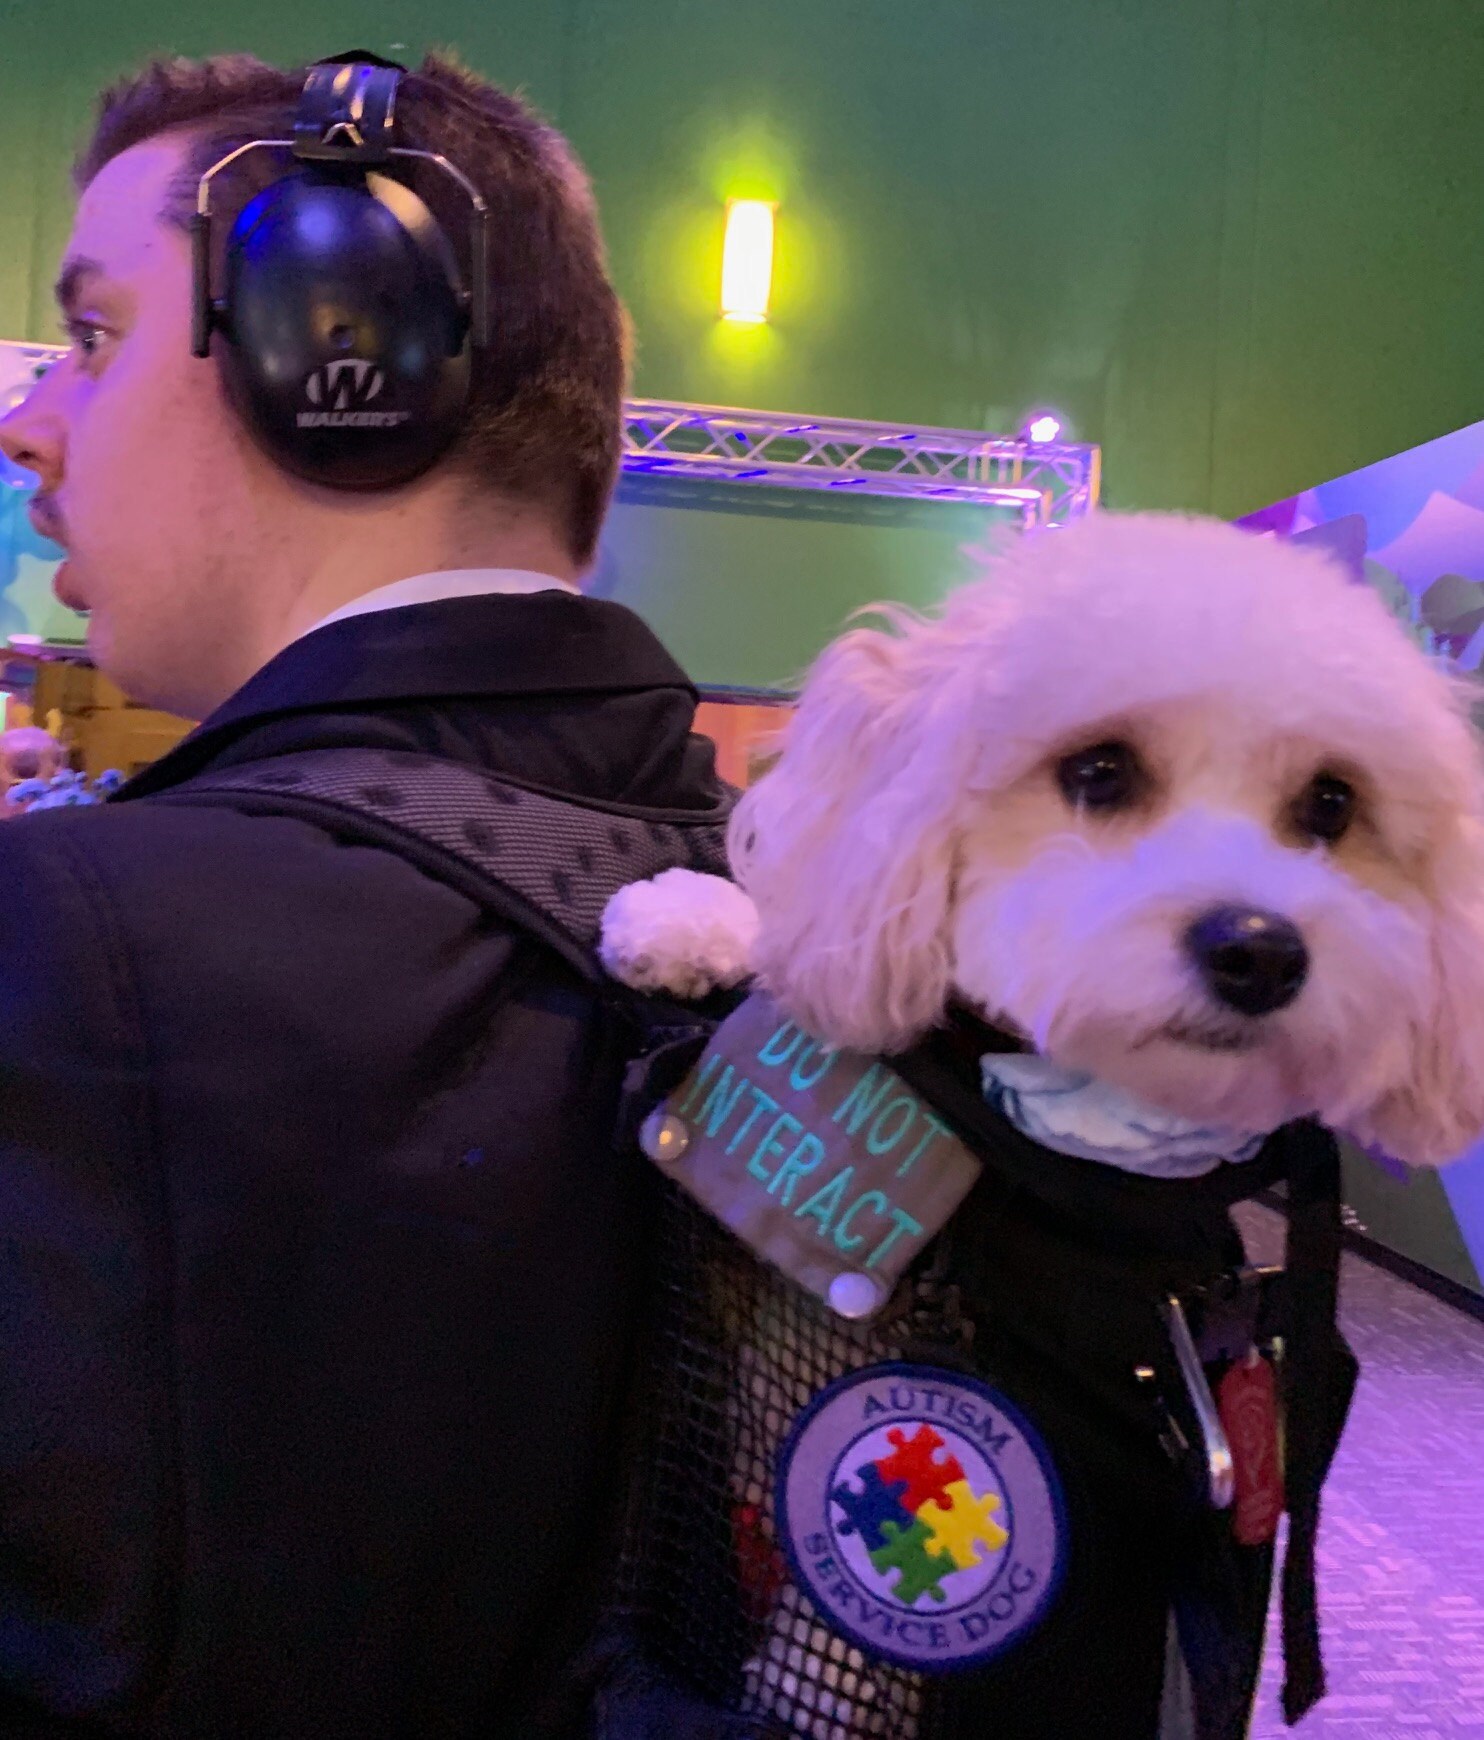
{"points": [[1413, 524], [1236, 241]]}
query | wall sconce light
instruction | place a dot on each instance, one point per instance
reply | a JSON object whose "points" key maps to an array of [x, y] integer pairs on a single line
{"points": [[747, 261]]}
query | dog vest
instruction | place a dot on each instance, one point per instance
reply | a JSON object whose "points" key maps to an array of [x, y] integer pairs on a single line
{"points": [[929, 1434]]}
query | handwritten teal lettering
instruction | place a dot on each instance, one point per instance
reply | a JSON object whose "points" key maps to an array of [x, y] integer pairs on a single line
{"points": [[861, 1102], [933, 1131], [905, 1224], [882, 1137], [798, 1079], [771, 1144], [765, 1103], [795, 1167], [825, 1201], [844, 1238], [721, 1102], [784, 1043]]}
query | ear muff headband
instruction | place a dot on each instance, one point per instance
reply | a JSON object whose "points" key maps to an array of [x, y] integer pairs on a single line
{"points": [[344, 332]]}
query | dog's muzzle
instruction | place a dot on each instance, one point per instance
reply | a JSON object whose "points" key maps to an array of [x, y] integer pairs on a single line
{"points": [[1252, 962]]}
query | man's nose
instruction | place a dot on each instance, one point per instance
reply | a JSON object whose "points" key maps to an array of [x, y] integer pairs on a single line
{"points": [[33, 437]]}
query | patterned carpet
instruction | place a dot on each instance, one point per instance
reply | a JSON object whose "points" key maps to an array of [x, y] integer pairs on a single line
{"points": [[1402, 1547]]}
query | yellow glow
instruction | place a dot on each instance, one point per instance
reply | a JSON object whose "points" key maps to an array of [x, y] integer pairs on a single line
{"points": [[747, 261]]}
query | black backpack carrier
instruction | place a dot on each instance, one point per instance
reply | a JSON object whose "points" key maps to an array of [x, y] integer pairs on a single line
{"points": [[1008, 1464]]}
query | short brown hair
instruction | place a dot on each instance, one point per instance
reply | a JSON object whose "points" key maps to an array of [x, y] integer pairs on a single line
{"points": [[546, 407]]}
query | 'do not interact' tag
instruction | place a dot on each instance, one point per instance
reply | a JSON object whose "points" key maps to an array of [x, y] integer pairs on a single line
{"points": [[825, 1163]]}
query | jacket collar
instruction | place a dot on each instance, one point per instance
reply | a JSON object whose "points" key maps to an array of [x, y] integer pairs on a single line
{"points": [[545, 643], [444, 583]]}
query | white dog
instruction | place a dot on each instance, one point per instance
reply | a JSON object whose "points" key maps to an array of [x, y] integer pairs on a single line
{"points": [[1181, 807]]}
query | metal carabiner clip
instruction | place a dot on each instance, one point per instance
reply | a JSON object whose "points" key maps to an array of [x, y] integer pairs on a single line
{"points": [[1219, 1466]]}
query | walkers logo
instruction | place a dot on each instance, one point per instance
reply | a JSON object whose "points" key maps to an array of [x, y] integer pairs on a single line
{"points": [[922, 1516], [341, 392]]}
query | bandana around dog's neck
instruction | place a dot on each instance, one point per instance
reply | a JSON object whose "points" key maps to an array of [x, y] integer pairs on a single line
{"points": [[1076, 1114]]}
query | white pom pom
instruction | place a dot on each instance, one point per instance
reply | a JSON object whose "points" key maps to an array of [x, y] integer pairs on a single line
{"points": [[680, 932]]}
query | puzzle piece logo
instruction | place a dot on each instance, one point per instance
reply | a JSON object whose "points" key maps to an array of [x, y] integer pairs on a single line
{"points": [[877, 1505], [964, 1525], [922, 1516], [917, 1514], [912, 1462], [919, 1571]]}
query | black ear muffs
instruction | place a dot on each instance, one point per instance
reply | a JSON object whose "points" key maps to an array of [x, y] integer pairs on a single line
{"points": [[346, 348], [343, 332]]}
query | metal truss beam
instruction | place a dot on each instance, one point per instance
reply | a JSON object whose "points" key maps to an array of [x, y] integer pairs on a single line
{"points": [[1045, 483]]}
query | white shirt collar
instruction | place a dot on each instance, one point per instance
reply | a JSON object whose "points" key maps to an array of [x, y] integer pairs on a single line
{"points": [[450, 583]]}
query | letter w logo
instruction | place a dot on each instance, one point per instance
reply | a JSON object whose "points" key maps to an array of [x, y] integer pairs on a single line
{"points": [[345, 386]]}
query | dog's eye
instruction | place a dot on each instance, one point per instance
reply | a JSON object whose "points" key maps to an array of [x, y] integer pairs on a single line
{"points": [[1109, 776], [1326, 808]]}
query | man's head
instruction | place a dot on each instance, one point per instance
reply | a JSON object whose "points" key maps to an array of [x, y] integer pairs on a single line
{"points": [[196, 556]]}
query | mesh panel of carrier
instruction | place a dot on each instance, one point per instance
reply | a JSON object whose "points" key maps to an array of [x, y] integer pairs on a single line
{"points": [[704, 1582]]}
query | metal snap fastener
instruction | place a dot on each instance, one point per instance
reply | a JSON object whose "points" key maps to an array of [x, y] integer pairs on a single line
{"points": [[664, 1137], [855, 1295]]}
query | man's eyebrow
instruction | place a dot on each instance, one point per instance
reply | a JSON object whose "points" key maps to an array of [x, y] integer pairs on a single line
{"points": [[73, 274]]}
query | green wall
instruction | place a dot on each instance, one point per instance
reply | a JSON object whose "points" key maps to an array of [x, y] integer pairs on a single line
{"points": [[1239, 242], [745, 585]]}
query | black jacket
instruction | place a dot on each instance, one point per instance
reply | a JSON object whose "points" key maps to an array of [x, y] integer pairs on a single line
{"points": [[317, 1274]]}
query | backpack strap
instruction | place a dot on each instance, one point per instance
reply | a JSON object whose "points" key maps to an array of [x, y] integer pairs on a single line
{"points": [[546, 864]]}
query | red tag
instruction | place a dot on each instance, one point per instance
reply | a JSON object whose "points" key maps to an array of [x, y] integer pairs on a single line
{"points": [[760, 1566], [1248, 1399]]}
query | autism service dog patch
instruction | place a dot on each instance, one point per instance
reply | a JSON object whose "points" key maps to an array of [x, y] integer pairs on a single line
{"points": [[922, 1515]]}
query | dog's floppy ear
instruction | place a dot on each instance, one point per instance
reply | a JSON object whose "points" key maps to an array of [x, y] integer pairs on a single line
{"points": [[847, 844], [1438, 1112]]}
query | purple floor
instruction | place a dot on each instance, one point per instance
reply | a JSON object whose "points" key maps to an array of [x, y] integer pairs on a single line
{"points": [[1401, 1551]]}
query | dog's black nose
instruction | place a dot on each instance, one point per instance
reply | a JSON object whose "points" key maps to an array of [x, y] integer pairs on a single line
{"points": [[1254, 962]]}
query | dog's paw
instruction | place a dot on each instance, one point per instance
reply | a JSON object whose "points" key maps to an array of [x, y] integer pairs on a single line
{"points": [[680, 932]]}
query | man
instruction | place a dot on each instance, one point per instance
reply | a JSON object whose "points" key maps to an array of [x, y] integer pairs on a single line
{"points": [[318, 1278]]}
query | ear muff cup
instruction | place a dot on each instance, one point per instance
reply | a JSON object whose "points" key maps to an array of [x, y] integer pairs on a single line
{"points": [[345, 344]]}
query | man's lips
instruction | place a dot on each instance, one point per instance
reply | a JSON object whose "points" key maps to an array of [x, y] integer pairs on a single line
{"points": [[62, 587], [46, 519]]}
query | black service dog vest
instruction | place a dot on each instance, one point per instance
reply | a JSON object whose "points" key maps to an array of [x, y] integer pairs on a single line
{"points": [[921, 1445]]}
